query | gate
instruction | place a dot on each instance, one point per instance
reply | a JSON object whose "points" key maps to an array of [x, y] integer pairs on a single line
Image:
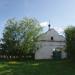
{"points": [[56, 54]]}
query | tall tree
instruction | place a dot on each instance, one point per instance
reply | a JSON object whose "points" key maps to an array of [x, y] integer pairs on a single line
{"points": [[70, 41], [20, 36]]}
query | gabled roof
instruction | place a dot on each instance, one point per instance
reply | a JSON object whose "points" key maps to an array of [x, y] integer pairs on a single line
{"points": [[51, 33]]}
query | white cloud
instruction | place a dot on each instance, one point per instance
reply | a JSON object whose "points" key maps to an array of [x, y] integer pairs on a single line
{"points": [[60, 30], [44, 24]]}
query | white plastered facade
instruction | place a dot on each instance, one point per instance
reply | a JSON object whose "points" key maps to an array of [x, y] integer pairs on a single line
{"points": [[49, 41]]}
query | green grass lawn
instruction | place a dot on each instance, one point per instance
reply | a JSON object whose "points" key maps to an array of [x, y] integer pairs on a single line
{"points": [[46, 67]]}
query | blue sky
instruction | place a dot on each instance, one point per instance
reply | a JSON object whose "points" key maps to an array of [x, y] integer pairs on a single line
{"points": [[61, 13]]}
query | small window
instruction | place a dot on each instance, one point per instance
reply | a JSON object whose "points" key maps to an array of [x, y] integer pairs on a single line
{"points": [[51, 38]]}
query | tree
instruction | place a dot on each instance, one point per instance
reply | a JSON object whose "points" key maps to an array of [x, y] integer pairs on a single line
{"points": [[20, 36], [70, 41]]}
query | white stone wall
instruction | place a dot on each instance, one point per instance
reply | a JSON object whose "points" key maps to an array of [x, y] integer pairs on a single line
{"points": [[45, 50], [43, 53], [46, 45]]}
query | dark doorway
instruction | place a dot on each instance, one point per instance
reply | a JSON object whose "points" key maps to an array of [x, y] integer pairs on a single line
{"points": [[56, 54]]}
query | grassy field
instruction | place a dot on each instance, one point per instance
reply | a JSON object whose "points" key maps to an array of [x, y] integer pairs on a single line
{"points": [[46, 67]]}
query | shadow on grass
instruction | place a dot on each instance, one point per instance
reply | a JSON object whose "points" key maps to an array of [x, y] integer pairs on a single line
{"points": [[50, 67]]}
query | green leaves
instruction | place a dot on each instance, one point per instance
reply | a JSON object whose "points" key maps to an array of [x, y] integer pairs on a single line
{"points": [[70, 41], [21, 35]]}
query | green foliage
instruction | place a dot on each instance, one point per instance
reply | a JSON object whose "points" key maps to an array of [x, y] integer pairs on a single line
{"points": [[70, 41], [20, 36]]}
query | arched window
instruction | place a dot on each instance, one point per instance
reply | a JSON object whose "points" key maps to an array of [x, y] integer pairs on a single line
{"points": [[51, 37]]}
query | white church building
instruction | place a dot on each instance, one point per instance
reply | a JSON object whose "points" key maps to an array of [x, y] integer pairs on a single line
{"points": [[49, 42]]}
